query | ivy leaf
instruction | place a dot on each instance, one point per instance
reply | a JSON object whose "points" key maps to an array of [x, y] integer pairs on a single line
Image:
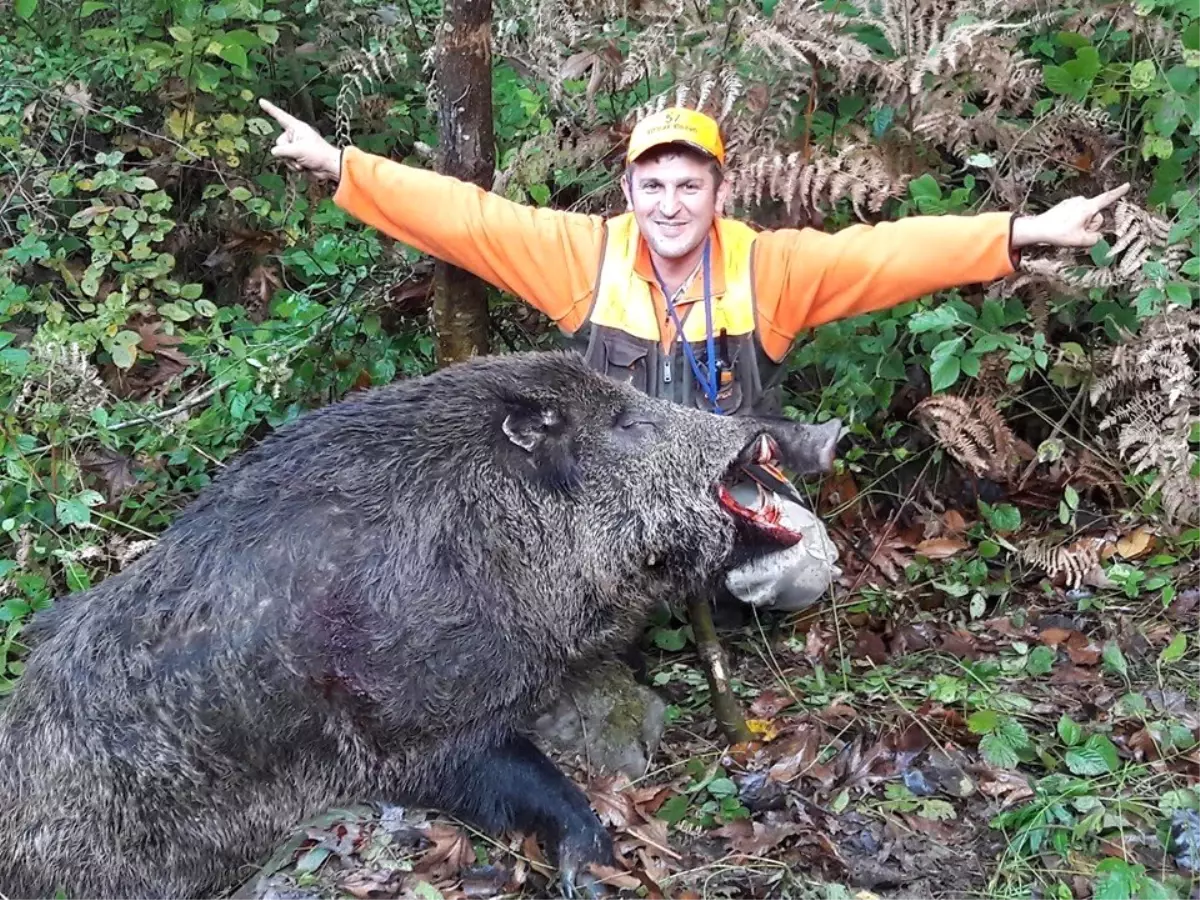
{"points": [[123, 356], [669, 639], [24, 8], [72, 512], [674, 809], [1059, 80], [1041, 661], [1013, 732], [1174, 651], [722, 787], [1069, 730], [937, 810], [424, 890], [1004, 517], [1115, 880], [1114, 659], [234, 54], [998, 753], [943, 372], [1141, 76], [174, 312], [984, 721], [1097, 757], [937, 319]]}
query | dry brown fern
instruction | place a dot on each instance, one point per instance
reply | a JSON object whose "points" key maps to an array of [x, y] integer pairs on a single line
{"points": [[1154, 380], [973, 432], [1138, 237], [1075, 560], [1091, 474], [946, 56]]}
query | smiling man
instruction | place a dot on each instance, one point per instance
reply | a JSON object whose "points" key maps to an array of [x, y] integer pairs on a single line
{"points": [[627, 288]]}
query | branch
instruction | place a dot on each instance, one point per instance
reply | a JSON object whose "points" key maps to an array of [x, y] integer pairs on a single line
{"points": [[716, 667]]}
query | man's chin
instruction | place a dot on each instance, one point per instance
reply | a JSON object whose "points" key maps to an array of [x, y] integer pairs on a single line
{"points": [[673, 248]]}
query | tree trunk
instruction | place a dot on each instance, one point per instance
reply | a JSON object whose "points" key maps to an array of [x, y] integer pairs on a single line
{"points": [[463, 86]]}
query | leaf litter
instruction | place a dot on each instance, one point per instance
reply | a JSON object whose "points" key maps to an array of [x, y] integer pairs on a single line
{"points": [[906, 748]]}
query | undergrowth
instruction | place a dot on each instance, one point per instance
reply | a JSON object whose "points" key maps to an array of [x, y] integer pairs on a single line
{"points": [[169, 294]]}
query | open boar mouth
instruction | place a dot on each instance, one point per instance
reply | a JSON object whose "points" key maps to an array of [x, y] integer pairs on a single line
{"points": [[752, 489]]}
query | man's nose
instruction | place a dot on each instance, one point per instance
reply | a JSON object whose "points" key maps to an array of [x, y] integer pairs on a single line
{"points": [[669, 205]]}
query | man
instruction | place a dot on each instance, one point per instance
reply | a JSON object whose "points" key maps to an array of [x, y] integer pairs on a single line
{"points": [[626, 287]]}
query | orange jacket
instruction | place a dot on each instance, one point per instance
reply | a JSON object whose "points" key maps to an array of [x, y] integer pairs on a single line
{"points": [[550, 259]]}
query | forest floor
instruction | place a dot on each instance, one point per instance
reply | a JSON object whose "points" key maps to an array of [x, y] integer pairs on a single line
{"points": [[1045, 747]]}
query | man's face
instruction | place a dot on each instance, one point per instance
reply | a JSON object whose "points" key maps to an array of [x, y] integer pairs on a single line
{"points": [[674, 198]]}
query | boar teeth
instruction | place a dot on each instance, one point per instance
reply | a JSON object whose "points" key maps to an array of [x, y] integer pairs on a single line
{"points": [[765, 451]]}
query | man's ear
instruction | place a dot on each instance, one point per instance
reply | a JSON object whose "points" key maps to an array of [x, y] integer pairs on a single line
{"points": [[722, 196], [626, 181], [528, 428]]}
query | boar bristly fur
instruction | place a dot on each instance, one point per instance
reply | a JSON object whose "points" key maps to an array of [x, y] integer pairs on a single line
{"points": [[372, 604]]}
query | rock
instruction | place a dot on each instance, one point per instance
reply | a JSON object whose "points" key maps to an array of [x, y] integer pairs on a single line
{"points": [[612, 724]]}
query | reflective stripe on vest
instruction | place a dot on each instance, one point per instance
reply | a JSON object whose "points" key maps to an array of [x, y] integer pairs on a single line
{"points": [[621, 336]]}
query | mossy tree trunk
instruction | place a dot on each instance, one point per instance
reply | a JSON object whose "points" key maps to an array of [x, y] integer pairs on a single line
{"points": [[463, 84]]}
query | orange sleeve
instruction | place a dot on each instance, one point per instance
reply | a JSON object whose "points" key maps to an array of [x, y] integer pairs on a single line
{"points": [[546, 257], [805, 277]]}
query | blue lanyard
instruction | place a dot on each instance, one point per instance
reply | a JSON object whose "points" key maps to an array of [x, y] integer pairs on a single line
{"points": [[708, 384]]}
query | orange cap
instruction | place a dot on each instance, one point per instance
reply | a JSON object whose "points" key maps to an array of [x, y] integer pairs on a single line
{"points": [[677, 124]]}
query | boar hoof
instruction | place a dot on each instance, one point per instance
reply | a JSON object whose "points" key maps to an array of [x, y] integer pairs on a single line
{"points": [[584, 845], [583, 886]]}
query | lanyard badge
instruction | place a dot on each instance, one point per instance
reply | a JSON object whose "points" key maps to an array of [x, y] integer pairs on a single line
{"points": [[707, 381]]}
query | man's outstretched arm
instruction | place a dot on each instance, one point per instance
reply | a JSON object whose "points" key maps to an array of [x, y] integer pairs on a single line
{"points": [[806, 277], [546, 257]]}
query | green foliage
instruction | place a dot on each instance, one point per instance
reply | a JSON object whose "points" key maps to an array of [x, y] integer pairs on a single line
{"points": [[166, 295]]}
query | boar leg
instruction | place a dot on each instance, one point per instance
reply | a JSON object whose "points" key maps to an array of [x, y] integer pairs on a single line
{"points": [[514, 785]]}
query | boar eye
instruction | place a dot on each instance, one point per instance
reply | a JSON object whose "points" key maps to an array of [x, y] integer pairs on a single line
{"points": [[635, 424]]}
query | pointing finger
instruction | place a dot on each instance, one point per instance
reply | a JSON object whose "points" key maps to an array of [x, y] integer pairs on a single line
{"points": [[284, 119], [1109, 197], [288, 151]]}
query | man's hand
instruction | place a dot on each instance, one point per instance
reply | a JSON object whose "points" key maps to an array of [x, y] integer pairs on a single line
{"points": [[301, 147], [1075, 222]]}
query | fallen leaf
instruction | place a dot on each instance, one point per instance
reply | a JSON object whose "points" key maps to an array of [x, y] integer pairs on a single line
{"points": [[451, 850], [756, 838], [954, 521], [370, 883], [840, 492], [816, 645], [259, 285], [869, 645], [615, 877], [484, 881], [1052, 637], [116, 469], [1000, 783], [799, 752], [612, 805], [1074, 675], [961, 644], [655, 835], [1136, 543], [770, 703], [837, 714], [941, 548], [763, 728]]}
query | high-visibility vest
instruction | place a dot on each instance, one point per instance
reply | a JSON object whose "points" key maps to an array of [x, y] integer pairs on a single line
{"points": [[620, 336]]}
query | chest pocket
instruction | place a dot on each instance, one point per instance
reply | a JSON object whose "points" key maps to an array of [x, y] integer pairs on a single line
{"points": [[627, 359]]}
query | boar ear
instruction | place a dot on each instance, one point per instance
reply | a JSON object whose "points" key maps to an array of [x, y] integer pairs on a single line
{"points": [[527, 428], [543, 434]]}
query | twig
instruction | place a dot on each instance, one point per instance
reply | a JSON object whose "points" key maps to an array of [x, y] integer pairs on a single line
{"points": [[716, 668], [165, 413]]}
